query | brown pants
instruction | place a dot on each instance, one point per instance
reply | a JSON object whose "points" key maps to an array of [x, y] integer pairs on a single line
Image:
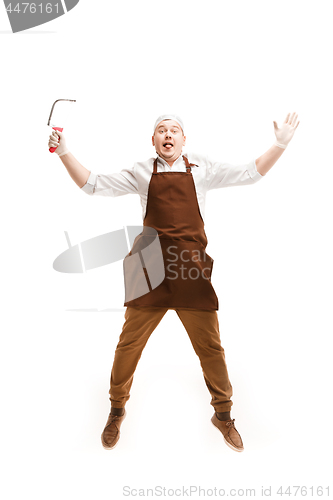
{"points": [[202, 328]]}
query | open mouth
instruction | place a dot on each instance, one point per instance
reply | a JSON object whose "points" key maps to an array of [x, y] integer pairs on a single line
{"points": [[168, 145]]}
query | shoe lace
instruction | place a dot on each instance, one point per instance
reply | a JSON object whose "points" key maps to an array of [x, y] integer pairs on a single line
{"points": [[113, 419], [230, 423]]}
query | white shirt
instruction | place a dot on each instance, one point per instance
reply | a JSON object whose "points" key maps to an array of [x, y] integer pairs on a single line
{"points": [[208, 175]]}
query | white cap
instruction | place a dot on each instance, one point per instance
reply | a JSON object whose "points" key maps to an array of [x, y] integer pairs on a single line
{"points": [[169, 117]]}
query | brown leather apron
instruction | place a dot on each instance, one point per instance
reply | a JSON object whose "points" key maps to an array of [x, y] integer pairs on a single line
{"points": [[173, 211]]}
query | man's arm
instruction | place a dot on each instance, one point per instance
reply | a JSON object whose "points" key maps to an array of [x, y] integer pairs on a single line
{"points": [[268, 159], [283, 136], [78, 172], [114, 184]]}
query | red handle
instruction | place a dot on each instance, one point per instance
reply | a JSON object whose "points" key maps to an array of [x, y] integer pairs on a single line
{"points": [[52, 150]]}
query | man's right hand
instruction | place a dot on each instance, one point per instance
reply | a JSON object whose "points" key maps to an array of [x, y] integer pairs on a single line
{"points": [[57, 140]]}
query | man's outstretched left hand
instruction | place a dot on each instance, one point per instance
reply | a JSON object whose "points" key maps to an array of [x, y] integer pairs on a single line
{"points": [[285, 133]]}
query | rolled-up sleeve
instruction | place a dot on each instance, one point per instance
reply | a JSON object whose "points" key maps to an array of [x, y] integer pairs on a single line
{"points": [[117, 184], [223, 174]]}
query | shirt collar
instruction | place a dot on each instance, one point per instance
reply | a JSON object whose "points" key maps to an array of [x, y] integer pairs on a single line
{"points": [[166, 164]]}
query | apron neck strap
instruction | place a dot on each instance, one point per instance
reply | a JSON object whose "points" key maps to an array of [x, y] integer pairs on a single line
{"points": [[188, 165]]}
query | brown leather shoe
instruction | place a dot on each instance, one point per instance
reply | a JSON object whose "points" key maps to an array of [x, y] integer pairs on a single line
{"points": [[230, 433], [111, 434]]}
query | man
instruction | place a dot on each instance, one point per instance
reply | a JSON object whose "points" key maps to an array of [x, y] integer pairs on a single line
{"points": [[172, 189]]}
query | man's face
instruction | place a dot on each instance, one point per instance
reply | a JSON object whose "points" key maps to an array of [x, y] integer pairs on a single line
{"points": [[168, 140]]}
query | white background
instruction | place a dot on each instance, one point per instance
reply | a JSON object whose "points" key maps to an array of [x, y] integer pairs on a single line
{"points": [[229, 69]]}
